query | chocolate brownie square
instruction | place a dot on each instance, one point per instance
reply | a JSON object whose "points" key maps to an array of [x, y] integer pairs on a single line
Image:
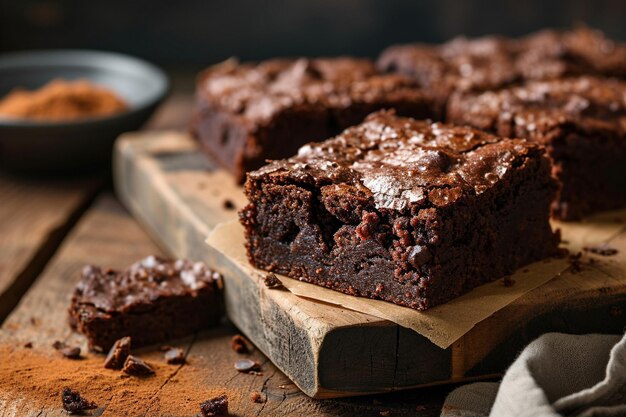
{"points": [[411, 212], [248, 113], [491, 62], [582, 123], [151, 301]]}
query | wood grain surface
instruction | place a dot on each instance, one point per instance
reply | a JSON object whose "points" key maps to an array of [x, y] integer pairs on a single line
{"points": [[109, 237], [179, 195], [34, 218]]}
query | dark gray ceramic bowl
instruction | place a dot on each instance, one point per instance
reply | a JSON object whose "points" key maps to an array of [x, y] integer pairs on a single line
{"points": [[80, 145]]}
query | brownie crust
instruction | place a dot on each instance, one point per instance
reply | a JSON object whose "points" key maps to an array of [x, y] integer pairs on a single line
{"points": [[152, 301], [411, 212], [581, 121], [248, 113], [491, 62]]}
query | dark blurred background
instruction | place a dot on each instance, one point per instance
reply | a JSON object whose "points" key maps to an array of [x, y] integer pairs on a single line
{"points": [[186, 35]]}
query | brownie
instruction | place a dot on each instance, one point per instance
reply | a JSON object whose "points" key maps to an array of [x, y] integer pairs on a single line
{"points": [[490, 62], [151, 301], [248, 113], [411, 212], [581, 121]]}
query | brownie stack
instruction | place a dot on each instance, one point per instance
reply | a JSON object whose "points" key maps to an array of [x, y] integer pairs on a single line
{"points": [[417, 212], [246, 114], [559, 89], [581, 122], [406, 211]]}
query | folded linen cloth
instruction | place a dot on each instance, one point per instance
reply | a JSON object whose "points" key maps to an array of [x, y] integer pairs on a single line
{"points": [[556, 375]]}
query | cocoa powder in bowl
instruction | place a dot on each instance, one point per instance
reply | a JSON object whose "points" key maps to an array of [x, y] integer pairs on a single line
{"points": [[61, 100]]}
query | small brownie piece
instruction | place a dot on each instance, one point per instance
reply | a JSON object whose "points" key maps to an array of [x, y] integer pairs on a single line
{"points": [[248, 113], [401, 210], [491, 62], [582, 123], [118, 353], [152, 301], [74, 403]]}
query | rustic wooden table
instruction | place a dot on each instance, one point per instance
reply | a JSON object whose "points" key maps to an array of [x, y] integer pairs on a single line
{"points": [[48, 231]]}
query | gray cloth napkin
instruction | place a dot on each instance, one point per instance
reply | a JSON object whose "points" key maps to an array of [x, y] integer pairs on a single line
{"points": [[556, 375]]}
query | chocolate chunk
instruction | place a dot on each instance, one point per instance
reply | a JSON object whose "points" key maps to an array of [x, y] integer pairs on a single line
{"points": [[508, 281], [28, 345], [118, 353], [228, 204], [217, 406], [257, 397], [136, 367], [73, 403], [271, 281], [239, 344], [70, 352], [419, 255], [247, 366], [601, 249], [175, 356]]}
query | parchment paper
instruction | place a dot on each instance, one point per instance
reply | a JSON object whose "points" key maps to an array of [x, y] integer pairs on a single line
{"points": [[444, 324]]}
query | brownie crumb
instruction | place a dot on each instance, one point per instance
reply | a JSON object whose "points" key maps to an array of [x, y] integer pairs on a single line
{"points": [[602, 250], [239, 344], [175, 356], [70, 352], [217, 406], [272, 282], [73, 403], [616, 311], [247, 366], [385, 413], [28, 345], [258, 398], [228, 204], [136, 367], [508, 281], [118, 354], [575, 263]]}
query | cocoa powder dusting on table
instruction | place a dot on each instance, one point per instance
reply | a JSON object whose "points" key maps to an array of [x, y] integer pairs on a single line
{"points": [[38, 376]]}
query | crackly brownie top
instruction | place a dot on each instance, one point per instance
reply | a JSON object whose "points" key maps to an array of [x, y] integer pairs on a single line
{"points": [[398, 162], [258, 90], [586, 103], [491, 62], [142, 283]]}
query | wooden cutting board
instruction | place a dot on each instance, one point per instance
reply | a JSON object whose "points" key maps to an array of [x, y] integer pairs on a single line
{"points": [[180, 196]]}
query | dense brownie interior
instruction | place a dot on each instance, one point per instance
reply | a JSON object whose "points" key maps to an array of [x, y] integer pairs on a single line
{"points": [[248, 113], [407, 211], [581, 121], [152, 301]]}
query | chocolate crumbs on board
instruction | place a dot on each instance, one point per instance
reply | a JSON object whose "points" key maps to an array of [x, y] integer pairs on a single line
{"points": [[508, 281], [73, 403], [239, 344], [271, 281], [575, 263], [601, 249], [228, 204], [217, 406]]}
